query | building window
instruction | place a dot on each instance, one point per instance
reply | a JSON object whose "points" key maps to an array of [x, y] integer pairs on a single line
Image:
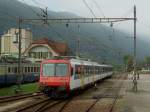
{"points": [[40, 55]]}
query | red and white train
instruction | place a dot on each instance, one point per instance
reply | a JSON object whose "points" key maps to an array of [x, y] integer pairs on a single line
{"points": [[66, 75]]}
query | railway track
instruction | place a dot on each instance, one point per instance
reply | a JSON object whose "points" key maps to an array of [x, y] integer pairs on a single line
{"points": [[111, 107], [28, 107], [19, 97], [115, 97], [48, 104], [53, 104], [67, 101], [44, 105]]}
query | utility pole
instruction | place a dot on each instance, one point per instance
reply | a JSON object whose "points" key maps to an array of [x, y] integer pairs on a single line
{"points": [[78, 47], [78, 42], [134, 63], [19, 77]]}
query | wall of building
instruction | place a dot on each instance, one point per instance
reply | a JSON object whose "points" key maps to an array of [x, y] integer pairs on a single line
{"points": [[9, 41]]}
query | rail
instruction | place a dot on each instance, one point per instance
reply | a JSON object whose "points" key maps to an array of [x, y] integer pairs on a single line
{"points": [[18, 97]]}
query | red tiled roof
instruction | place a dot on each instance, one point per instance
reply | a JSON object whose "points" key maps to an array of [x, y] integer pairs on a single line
{"points": [[60, 48]]}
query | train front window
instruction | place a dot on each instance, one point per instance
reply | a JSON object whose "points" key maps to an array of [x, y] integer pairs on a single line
{"points": [[56, 69]]}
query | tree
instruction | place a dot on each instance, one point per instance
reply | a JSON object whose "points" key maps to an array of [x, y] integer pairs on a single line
{"points": [[128, 61], [147, 60]]}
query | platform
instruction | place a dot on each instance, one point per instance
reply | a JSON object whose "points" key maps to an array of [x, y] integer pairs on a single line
{"points": [[137, 101]]}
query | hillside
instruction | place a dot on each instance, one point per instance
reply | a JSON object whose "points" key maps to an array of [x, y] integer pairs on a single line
{"points": [[97, 41]]}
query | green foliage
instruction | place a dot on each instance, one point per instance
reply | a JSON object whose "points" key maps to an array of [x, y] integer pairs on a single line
{"points": [[26, 88], [128, 61], [147, 60]]}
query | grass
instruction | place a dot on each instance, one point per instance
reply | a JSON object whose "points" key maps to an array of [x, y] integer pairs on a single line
{"points": [[26, 88]]}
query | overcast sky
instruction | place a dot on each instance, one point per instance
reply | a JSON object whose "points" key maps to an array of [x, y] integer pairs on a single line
{"points": [[107, 8]]}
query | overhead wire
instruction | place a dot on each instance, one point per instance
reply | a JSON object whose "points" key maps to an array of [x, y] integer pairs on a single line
{"points": [[128, 12], [98, 7], [39, 16], [35, 2], [92, 12], [8, 15], [86, 4]]}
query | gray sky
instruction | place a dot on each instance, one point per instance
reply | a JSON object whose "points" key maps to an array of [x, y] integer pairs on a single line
{"points": [[110, 8]]}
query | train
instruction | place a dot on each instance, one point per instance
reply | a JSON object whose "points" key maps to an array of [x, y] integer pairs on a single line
{"points": [[9, 73], [59, 77]]}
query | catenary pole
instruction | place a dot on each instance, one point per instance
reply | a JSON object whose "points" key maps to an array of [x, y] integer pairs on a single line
{"points": [[134, 63], [19, 78]]}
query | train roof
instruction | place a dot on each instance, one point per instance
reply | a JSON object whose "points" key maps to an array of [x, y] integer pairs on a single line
{"points": [[16, 64], [87, 62], [78, 61]]}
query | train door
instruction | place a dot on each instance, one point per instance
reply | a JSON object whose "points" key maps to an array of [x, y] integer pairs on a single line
{"points": [[79, 76], [75, 78]]}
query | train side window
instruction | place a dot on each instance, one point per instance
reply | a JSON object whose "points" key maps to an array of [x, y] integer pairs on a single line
{"points": [[9, 70], [105, 70], [95, 70], [100, 70], [87, 71], [28, 69], [15, 70], [35, 69], [71, 71], [31, 69], [90, 70], [82, 70]]}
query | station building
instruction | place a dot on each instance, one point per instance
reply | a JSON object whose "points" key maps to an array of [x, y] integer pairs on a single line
{"points": [[32, 50], [45, 49]]}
